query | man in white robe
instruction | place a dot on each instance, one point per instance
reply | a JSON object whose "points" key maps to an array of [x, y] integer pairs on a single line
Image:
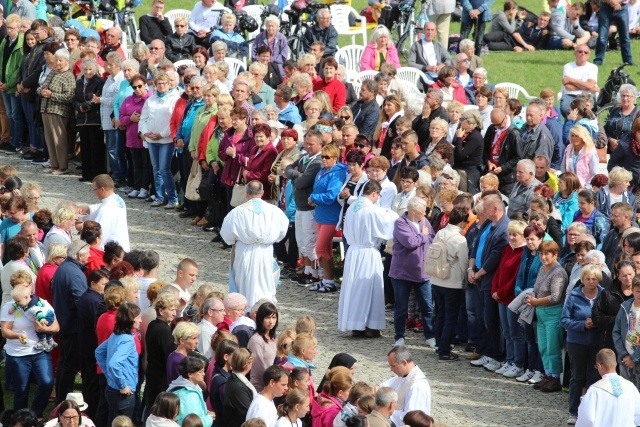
{"points": [[110, 213], [253, 228], [612, 401], [366, 227], [411, 384]]}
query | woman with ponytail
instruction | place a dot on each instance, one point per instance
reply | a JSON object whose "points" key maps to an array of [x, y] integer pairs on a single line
{"points": [[328, 404], [295, 407]]}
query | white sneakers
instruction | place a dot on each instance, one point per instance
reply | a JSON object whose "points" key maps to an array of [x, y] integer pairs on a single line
{"points": [[502, 369], [400, 341], [525, 377], [572, 420], [143, 194], [536, 378], [513, 372], [431, 342], [492, 366], [481, 362]]}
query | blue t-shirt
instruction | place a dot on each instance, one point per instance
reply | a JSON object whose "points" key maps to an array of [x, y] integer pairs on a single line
{"points": [[481, 242], [8, 229]]}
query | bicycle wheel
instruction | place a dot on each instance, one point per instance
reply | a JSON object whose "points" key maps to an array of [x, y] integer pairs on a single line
{"points": [[404, 46], [295, 46], [131, 29], [603, 112]]}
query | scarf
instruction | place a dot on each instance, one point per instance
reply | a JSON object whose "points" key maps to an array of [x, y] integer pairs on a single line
{"points": [[296, 361], [414, 376], [498, 139]]}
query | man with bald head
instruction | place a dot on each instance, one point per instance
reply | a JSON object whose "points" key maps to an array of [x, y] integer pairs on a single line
{"points": [[502, 149], [37, 253], [536, 138], [112, 44], [427, 55]]}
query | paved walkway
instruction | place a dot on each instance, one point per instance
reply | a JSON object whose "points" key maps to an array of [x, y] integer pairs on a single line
{"points": [[461, 394]]}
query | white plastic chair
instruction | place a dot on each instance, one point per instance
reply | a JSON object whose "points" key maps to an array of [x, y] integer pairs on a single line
{"points": [[235, 67], [129, 53], [365, 75], [413, 76], [356, 87], [254, 11], [177, 13], [514, 90], [350, 56], [187, 62], [340, 20]]}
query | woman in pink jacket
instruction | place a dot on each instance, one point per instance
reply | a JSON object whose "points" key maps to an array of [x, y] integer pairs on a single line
{"points": [[379, 51], [580, 156], [335, 390], [130, 111]]}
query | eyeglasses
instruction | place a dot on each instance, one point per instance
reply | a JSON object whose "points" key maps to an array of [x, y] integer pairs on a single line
{"points": [[137, 86], [155, 48], [327, 157], [219, 310], [465, 60], [179, 26], [360, 145], [345, 117], [464, 119], [72, 418]]}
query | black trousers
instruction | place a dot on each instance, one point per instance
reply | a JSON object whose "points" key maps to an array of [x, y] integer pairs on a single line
{"points": [[478, 33], [102, 410], [90, 386], [93, 153], [288, 256], [68, 365], [142, 169], [499, 41]]}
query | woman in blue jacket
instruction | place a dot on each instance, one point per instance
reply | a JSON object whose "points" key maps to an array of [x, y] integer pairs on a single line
{"points": [[566, 199], [118, 359], [583, 338], [237, 46], [529, 266], [324, 199], [187, 388]]}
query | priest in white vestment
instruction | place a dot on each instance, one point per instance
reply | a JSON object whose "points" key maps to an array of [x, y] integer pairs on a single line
{"points": [[366, 227], [252, 228], [110, 213], [411, 384], [612, 401]]}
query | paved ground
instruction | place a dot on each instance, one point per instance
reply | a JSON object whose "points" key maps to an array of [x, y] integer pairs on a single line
{"points": [[462, 395]]}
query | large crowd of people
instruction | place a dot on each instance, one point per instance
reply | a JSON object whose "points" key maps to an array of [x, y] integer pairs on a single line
{"points": [[475, 220]]}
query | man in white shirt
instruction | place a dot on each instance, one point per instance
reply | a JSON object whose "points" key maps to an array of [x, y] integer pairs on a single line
{"points": [[275, 380], [427, 55], [185, 278], [412, 386], [612, 401], [149, 263], [577, 77], [206, 14], [213, 313], [110, 213]]}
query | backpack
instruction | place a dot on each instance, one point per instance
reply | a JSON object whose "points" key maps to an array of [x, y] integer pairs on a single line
{"points": [[435, 263]]}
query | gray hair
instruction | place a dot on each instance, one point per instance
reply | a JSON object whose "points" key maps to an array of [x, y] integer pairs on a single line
{"points": [[234, 299], [589, 238], [595, 254], [77, 247], [465, 44], [303, 79], [218, 45], [578, 226], [115, 59], [270, 108], [62, 53], [539, 102], [198, 79], [254, 188], [133, 63], [415, 203], [438, 93], [262, 112], [272, 18], [458, 58], [90, 63], [258, 67], [57, 32], [28, 224], [385, 396], [322, 11], [193, 70], [92, 40], [401, 353], [479, 207], [210, 303], [370, 85], [382, 77], [379, 31], [472, 116], [629, 89], [530, 167], [482, 71], [436, 162]]}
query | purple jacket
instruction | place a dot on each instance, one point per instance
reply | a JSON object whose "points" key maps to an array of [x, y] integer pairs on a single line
{"points": [[132, 104], [409, 250]]}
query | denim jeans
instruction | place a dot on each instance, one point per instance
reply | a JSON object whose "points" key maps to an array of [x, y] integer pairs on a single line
{"points": [[16, 117], [119, 404], [475, 319], [20, 370], [583, 372], [161, 156], [115, 150], [513, 335], [401, 289], [36, 135], [606, 17], [465, 29], [448, 302], [491, 331]]}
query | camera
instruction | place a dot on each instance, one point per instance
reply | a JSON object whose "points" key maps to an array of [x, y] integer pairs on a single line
{"points": [[244, 22]]}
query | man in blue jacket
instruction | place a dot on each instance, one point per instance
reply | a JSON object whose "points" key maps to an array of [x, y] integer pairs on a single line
{"points": [[483, 263], [68, 284]]}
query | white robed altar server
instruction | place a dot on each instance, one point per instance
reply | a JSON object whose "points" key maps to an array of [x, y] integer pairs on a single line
{"points": [[612, 401], [253, 228], [110, 213], [366, 227]]}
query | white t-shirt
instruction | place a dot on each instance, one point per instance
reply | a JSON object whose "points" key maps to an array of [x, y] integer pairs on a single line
{"points": [[21, 323], [634, 15], [263, 408], [430, 55], [184, 295], [143, 301], [284, 422], [584, 73]]}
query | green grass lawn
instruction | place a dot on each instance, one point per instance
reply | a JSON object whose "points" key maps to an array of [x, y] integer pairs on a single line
{"points": [[532, 70]]}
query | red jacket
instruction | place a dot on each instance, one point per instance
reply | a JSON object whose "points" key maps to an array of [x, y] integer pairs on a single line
{"points": [[95, 261], [176, 117], [205, 137], [504, 281], [336, 90], [43, 281], [259, 166], [458, 91]]}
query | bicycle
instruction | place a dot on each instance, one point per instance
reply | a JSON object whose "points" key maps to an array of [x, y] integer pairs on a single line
{"points": [[298, 25], [607, 99], [403, 25], [126, 21]]}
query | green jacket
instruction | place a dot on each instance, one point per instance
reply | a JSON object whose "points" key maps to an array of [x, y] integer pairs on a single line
{"points": [[13, 63], [203, 116]]}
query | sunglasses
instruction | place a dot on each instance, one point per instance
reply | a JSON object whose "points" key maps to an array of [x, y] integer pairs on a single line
{"points": [[345, 117], [137, 86], [326, 157], [360, 145], [179, 26]]}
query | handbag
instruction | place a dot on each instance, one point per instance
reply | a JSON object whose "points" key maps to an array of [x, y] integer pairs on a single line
{"points": [[195, 177], [239, 192]]}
